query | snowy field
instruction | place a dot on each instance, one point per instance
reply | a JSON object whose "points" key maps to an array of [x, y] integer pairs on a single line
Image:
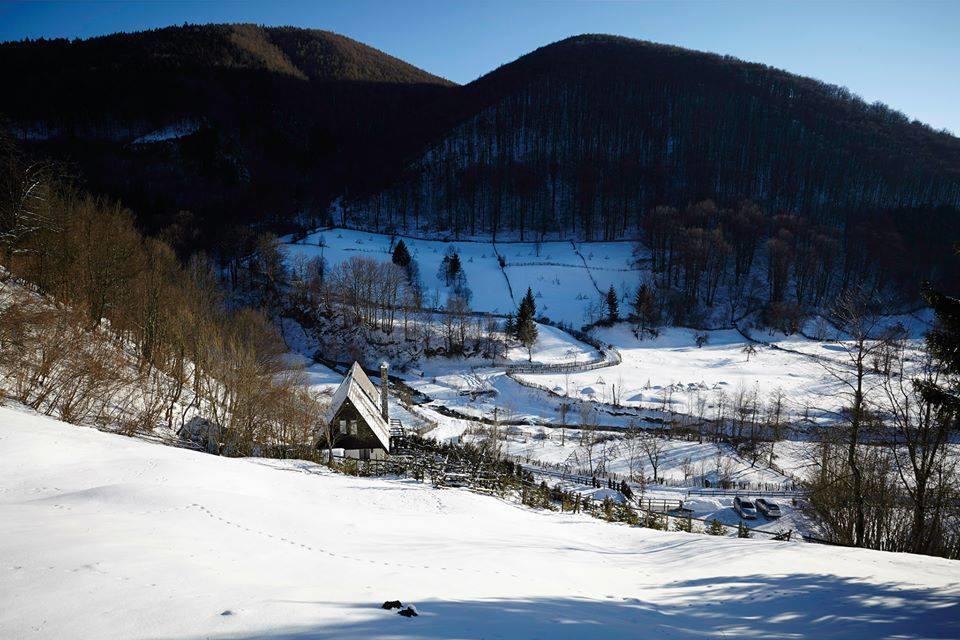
{"points": [[671, 373], [664, 374], [103, 536], [564, 276], [680, 462]]}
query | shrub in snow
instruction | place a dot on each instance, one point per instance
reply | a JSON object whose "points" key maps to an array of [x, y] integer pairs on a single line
{"points": [[627, 515], [716, 528], [391, 604], [656, 521], [608, 509]]}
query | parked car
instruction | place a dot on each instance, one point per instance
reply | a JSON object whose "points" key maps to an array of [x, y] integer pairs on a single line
{"points": [[745, 508], [769, 509]]}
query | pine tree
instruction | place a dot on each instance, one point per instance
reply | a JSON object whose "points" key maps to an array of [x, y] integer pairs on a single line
{"points": [[943, 343], [608, 509], [742, 531], [526, 327], [645, 308], [613, 305], [451, 269], [716, 528], [527, 333], [527, 305], [401, 255], [510, 327], [455, 266]]}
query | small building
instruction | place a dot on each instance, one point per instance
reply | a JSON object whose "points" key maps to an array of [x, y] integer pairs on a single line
{"points": [[358, 416]]}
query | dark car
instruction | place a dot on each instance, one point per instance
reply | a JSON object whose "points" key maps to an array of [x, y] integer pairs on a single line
{"points": [[745, 508], [769, 509]]}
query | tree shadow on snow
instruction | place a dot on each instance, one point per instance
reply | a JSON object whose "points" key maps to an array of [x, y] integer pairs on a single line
{"points": [[763, 607]]}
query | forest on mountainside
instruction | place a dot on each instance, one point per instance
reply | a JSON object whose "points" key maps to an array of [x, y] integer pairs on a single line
{"points": [[605, 138], [101, 325], [585, 136], [594, 137], [278, 121]]}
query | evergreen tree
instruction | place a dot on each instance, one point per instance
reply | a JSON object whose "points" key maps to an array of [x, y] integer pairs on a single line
{"points": [[451, 268], [509, 326], [528, 305], [613, 305], [943, 343], [527, 333], [683, 524], [716, 528], [608, 509], [401, 255], [526, 327], [454, 268], [645, 308]]}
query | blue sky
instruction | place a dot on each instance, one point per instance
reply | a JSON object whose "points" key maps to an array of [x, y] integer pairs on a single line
{"points": [[906, 54]]}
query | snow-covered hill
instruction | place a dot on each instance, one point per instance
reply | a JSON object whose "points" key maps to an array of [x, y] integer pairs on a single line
{"points": [[567, 278], [103, 536]]}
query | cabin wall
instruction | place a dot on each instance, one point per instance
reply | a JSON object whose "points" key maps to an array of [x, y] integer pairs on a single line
{"points": [[364, 438]]}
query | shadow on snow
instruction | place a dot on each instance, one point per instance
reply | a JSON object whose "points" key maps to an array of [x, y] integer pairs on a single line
{"points": [[756, 606]]}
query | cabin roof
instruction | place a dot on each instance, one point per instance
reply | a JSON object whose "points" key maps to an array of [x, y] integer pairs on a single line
{"points": [[356, 387]]}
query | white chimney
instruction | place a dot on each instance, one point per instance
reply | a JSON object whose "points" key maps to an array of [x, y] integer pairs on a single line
{"points": [[384, 385]]}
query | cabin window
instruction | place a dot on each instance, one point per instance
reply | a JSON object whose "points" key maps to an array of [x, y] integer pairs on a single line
{"points": [[343, 426], [364, 454], [353, 427]]}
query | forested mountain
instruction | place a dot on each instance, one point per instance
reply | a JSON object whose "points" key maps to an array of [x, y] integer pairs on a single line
{"points": [[207, 131], [588, 134], [602, 137], [230, 123]]}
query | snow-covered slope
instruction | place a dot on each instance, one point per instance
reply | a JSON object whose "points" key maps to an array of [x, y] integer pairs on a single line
{"points": [[566, 278], [103, 536]]}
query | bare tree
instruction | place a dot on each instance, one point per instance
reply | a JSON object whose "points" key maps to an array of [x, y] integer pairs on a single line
{"points": [[634, 451], [926, 470], [854, 315], [653, 447]]}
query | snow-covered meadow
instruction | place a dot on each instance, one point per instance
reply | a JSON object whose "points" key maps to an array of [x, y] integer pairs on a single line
{"points": [[566, 277], [671, 372], [667, 373], [103, 536]]}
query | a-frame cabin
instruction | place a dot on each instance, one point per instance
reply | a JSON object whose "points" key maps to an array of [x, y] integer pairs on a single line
{"points": [[358, 417]]}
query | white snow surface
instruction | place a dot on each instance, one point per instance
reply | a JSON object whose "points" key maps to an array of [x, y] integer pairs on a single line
{"points": [[103, 536], [672, 372], [563, 275]]}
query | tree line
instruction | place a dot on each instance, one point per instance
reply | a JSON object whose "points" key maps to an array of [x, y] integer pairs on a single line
{"points": [[99, 324], [577, 139]]}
